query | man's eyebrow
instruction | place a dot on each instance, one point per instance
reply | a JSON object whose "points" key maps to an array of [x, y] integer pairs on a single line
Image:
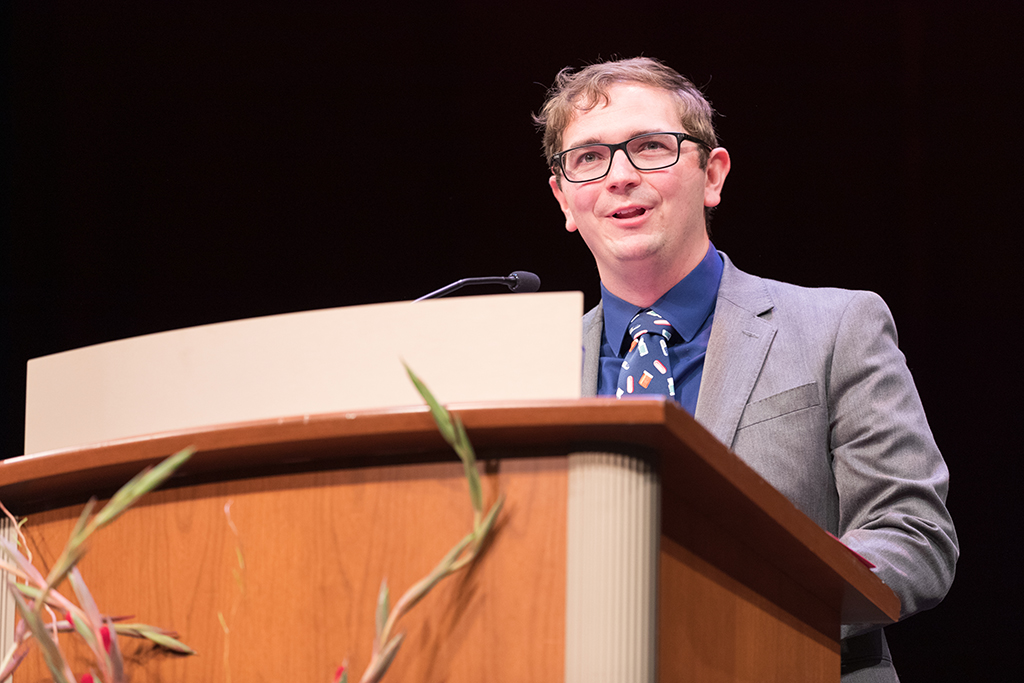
{"points": [[594, 140]]}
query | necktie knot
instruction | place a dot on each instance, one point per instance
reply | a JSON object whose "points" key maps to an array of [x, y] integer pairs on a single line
{"points": [[649, 321], [646, 369]]}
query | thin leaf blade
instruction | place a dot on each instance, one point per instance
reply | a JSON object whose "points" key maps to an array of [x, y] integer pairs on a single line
{"points": [[51, 653], [465, 451], [169, 642], [140, 485], [441, 416], [383, 606], [380, 665]]}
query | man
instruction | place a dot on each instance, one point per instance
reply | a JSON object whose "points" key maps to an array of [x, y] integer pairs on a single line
{"points": [[805, 385]]}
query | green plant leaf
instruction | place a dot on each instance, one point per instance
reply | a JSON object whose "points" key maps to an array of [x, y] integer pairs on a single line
{"points": [[89, 629], [126, 496], [380, 664], [82, 629], [443, 568], [488, 523], [441, 416], [169, 642], [480, 532], [160, 636], [51, 653], [85, 599], [54, 599], [383, 606], [116, 661], [72, 554], [74, 550], [83, 518], [454, 432], [465, 451], [141, 484]]}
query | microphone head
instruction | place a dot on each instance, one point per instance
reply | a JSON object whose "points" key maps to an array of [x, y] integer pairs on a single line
{"points": [[524, 282]]}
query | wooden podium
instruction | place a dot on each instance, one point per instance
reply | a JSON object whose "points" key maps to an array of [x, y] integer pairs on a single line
{"points": [[632, 546]]}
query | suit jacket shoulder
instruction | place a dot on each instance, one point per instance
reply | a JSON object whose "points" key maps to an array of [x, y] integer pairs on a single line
{"points": [[758, 321]]}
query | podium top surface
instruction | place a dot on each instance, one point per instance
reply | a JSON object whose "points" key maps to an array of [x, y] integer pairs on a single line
{"points": [[693, 465], [306, 363]]}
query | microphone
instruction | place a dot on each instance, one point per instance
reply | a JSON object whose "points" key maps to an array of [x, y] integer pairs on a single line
{"points": [[518, 281]]}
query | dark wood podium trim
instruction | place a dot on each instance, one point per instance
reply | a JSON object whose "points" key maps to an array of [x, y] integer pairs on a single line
{"points": [[695, 469]]}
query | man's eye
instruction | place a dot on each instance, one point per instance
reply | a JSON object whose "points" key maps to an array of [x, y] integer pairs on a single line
{"points": [[586, 157], [652, 146]]}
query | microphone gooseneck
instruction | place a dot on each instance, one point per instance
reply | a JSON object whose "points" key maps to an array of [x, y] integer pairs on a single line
{"points": [[519, 281]]}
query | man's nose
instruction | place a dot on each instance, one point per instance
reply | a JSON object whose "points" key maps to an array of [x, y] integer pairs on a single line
{"points": [[622, 172]]}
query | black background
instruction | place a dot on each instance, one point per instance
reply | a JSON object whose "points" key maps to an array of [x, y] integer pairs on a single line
{"points": [[196, 162]]}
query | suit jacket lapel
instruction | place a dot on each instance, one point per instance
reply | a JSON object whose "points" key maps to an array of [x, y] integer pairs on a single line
{"points": [[737, 349], [593, 330]]}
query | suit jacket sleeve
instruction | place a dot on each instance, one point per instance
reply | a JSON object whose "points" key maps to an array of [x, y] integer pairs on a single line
{"points": [[889, 474]]}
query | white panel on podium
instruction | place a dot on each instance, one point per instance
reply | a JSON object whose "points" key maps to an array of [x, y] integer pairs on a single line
{"points": [[505, 347]]}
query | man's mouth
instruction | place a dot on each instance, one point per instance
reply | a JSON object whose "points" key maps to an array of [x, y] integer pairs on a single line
{"points": [[631, 212]]}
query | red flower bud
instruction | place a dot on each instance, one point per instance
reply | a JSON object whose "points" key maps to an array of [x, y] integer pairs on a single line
{"points": [[105, 634], [339, 673], [87, 678], [67, 616]]}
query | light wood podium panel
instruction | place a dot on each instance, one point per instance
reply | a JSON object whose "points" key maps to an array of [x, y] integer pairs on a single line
{"points": [[320, 508]]}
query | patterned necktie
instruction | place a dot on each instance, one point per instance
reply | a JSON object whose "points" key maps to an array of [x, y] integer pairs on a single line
{"points": [[646, 368]]}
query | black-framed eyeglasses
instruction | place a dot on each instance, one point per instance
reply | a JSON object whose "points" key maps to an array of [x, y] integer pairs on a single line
{"points": [[647, 152]]}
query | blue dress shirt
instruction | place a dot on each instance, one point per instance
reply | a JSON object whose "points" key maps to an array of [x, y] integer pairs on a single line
{"points": [[690, 307]]}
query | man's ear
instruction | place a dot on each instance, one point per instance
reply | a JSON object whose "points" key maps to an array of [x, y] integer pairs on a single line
{"points": [[717, 170], [563, 202]]}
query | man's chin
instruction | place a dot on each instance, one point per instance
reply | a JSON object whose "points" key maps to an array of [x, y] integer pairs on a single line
{"points": [[636, 248]]}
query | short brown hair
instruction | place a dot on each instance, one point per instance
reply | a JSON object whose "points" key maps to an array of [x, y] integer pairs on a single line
{"points": [[588, 87]]}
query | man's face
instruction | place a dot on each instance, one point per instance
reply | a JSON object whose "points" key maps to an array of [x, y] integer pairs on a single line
{"points": [[640, 224]]}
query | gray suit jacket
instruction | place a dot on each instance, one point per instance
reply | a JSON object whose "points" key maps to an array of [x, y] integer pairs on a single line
{"points": [[809, 388]]}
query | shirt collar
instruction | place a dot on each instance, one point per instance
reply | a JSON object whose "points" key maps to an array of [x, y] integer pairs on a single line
{"points": [[687, 305]]}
